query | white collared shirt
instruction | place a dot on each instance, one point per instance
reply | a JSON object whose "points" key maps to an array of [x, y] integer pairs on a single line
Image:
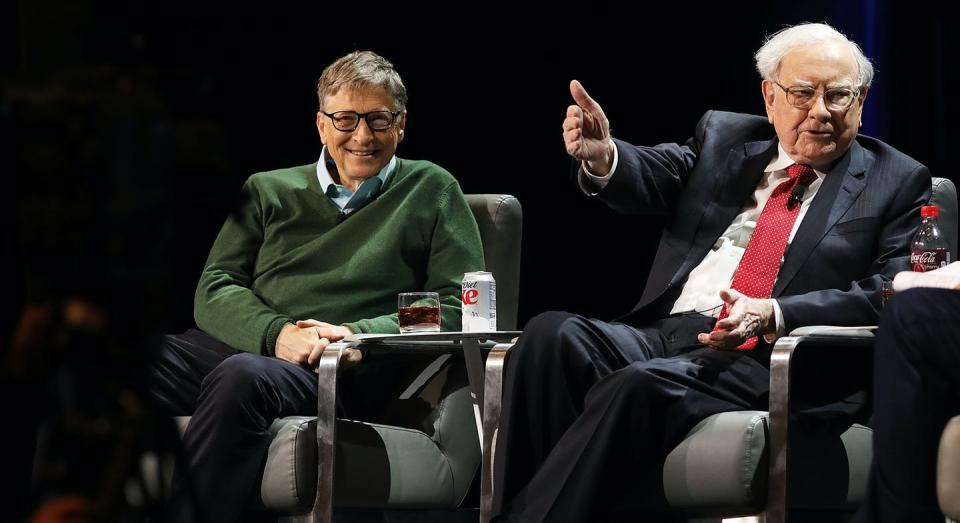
{"points": [[701, 291]]}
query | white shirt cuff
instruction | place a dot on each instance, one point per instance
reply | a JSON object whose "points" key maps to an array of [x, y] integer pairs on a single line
{"points": [[592, 184], [778, 323]]}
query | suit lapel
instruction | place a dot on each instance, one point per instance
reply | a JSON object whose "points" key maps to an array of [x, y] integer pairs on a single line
{"points": [[841, 187], [743, 170]]}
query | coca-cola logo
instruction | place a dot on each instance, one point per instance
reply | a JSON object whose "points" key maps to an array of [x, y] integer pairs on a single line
{"points": [[924, 257], [470, 296]]}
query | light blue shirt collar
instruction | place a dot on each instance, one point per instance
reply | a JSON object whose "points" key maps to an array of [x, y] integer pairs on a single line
{"points": [[343, 194]]}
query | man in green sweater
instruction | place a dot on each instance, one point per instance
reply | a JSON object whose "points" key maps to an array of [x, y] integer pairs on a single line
{"points": [[314, 254]]}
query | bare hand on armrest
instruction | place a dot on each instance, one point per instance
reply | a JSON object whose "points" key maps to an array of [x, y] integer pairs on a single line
{"points": [[333, 333], [304, 342]]}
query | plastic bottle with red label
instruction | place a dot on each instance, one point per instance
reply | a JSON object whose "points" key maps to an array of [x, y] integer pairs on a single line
{"points": [[929, 249]]}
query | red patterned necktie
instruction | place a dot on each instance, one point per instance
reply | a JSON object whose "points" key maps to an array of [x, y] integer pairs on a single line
{"points": [[760, 263]]}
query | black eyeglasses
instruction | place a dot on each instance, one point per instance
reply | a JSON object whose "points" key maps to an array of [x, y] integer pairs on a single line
{"points": [[376, 120], [836, 98]]}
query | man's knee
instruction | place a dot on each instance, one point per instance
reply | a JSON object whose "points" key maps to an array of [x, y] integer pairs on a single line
{"points": [[636, 379], [238, 376], [917, 323], [550, 334], [923, 305]]}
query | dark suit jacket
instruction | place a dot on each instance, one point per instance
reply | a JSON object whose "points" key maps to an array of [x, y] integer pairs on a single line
{"points": [[858, 227]]}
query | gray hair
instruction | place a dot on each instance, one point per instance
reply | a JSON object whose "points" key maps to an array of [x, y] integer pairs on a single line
{"points": [[782, 42], [361, 69]]}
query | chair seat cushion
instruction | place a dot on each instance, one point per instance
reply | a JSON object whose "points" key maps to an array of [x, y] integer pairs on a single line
{"points": [[721, 467], [377, 466]]}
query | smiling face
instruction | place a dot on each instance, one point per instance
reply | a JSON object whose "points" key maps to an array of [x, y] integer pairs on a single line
{"points": [[816, 135], [361, 153]]}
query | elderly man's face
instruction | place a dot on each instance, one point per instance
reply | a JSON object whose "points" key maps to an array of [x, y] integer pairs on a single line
{"points": [[819, 134], [361, 153]]}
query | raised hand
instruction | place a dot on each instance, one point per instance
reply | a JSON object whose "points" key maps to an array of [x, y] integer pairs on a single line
{"points": [[586, 132]]}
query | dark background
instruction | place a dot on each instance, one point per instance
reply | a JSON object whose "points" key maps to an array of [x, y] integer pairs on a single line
{"points": [[128, 129]]}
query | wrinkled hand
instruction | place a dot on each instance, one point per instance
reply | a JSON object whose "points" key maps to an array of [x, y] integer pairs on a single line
{"points": [[303, 343], [333, 333], [748, 317], [586, 132]]}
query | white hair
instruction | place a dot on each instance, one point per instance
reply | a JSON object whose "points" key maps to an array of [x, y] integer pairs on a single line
{"points": [[782, 42]]}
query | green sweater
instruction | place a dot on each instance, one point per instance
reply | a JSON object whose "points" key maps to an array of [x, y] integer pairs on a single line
{"points": [[283, 256]]}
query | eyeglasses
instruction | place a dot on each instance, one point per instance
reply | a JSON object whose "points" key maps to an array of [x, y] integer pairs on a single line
{"points": [[836, 98], [376, 120]]}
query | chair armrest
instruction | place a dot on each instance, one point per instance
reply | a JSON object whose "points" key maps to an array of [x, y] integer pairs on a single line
{"points": [[866, 331], [789, 353], [327, 369], [948, 470]]}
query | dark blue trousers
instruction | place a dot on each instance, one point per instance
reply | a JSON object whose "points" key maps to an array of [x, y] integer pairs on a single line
{"points": [[916, 390], [592, 408]]}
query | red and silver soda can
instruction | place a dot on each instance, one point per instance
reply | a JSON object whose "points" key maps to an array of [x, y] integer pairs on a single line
{"points": [[479, 302]]}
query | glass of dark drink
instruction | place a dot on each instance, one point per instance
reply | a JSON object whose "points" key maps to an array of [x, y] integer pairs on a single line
{"points": [[418, 311]]}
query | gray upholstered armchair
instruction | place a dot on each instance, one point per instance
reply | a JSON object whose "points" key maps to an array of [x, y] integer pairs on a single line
{"points": [[736, 463]]}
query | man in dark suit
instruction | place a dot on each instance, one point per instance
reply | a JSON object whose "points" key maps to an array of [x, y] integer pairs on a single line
{"points": [[767, 229]]}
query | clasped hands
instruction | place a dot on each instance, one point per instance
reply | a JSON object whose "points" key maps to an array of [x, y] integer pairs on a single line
{"points": [[748, 317], [303, 343]]}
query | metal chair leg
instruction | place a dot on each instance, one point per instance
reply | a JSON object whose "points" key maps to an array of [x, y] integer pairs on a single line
{"points": [[322, 511], [492, 393]]}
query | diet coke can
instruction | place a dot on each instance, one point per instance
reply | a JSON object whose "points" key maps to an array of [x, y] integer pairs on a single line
{"points": [[479, 302]]}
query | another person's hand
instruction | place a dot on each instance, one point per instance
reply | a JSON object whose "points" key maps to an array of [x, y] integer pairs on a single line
{"points": [[748, 317], [586, 132], [333, 333]]}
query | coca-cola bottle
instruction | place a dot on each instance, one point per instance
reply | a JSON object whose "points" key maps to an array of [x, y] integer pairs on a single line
{"points": [[929, 249]]}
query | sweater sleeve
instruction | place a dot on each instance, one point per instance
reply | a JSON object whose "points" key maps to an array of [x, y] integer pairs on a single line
{"points": [[225, 305], [455, 248]]}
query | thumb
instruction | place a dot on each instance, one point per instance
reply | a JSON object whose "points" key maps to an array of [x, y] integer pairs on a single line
{"points": [[304, 324], [730, 296], [581, 97]]}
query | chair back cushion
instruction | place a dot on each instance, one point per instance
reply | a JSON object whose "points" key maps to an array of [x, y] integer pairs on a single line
{"points": [[944, 196], [500, 219]]}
